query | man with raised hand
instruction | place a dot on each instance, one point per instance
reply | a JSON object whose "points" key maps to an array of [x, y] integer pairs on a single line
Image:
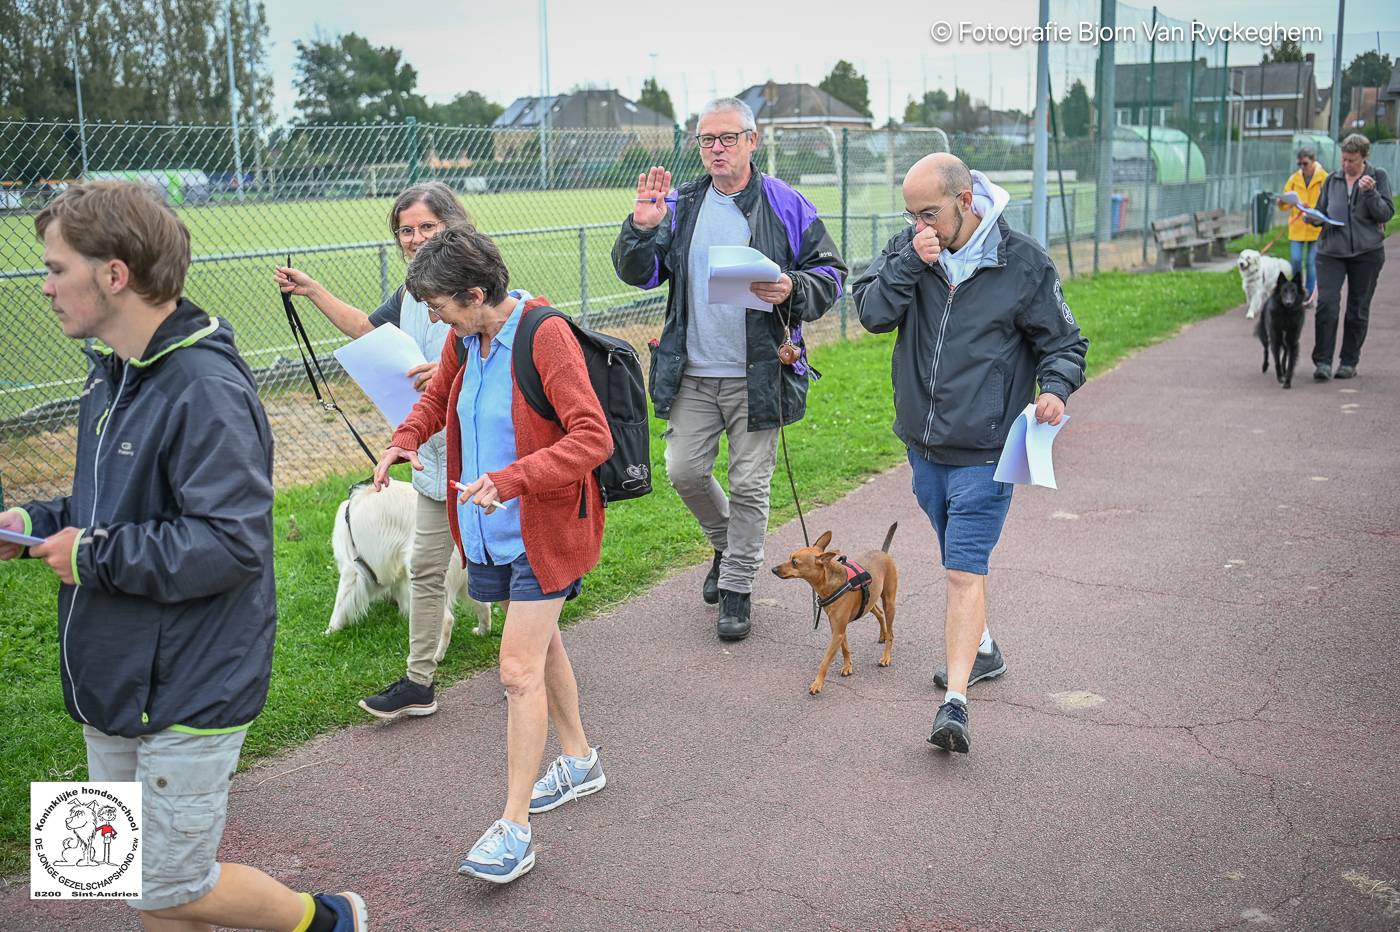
{"points": [[716, 368], [167, 604], [982, 320]]}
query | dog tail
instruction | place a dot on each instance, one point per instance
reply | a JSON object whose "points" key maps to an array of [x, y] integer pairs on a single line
{"points": [[889, 536]]}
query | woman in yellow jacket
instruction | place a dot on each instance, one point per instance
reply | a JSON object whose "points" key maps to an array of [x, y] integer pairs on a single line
{"points": [[1306, 182]]}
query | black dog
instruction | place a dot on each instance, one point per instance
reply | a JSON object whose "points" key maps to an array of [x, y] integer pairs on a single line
{"points": [[1279, 328]]}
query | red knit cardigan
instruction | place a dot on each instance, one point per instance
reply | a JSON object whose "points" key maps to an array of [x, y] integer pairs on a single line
{"points": [[554, 465]]}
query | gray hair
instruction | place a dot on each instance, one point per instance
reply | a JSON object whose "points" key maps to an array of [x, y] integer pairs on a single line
{"points": [[1357, 144], [729, 105], [455, 261], [1306, 152], [437, 197], [954, 177]]}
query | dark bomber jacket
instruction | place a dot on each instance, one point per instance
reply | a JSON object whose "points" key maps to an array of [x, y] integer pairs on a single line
{"points": [[967, 358], [784, 227], [172, 621]]}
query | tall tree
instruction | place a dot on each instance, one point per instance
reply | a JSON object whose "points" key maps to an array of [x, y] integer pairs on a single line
{"points": [[657, 99], [469, 109], [1074, 112], [1284, 50], [928, 112], [1369, 69], [849, 86], [347, 80]]}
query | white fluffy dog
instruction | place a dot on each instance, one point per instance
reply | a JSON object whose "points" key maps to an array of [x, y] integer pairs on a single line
{"points": [[380, 534], [1259, 274]]}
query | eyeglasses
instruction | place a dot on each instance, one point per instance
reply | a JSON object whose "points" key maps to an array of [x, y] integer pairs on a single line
{"points": [[929, 217], [707, 140], [436, 309], [427, 228]]}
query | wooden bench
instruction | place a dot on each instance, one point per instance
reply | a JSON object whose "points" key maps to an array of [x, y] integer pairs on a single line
{"points": [[1177, 242], [1218, 227]]}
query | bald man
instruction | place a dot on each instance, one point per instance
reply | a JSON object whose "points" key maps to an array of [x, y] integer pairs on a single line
{"points": [[981, 320]]}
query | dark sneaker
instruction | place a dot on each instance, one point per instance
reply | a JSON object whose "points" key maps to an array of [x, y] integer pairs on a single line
{"points": [[985, 667], [1322, 373], [566, 780], [950, 729], [404, 697], [734, 611], [1345, 372], [349, 909], [710, 593], [500, 855]]}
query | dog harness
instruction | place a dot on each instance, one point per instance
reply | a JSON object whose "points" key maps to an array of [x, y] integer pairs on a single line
{"points": [[857, 577], [365, 569]]}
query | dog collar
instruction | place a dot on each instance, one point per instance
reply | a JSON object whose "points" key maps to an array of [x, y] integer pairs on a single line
{"points": [[857, 577]]}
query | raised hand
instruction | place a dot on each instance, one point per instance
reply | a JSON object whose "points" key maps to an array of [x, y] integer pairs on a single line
{"points": [[294, 281], [652, 189], [926, 245]]}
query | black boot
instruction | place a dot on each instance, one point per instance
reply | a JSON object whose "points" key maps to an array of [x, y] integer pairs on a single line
{"points": [[734, 620], [711, 591]]}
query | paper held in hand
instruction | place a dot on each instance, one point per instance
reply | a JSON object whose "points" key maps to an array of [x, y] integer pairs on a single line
{"points": [[15, 537], [1025, 460], [378, 362], [733, 269], [1291, 198]]}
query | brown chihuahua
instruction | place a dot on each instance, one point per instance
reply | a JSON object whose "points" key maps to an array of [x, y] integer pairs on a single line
{"points": [[847, 589]]}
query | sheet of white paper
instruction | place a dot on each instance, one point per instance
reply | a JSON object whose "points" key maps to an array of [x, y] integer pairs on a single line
{"points": [[1291, 198], [733, 269], [1025, 460], [15, 537], [378, 362]]}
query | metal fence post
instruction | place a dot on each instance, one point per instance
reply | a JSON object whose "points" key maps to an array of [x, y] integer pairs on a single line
{"points": [[583, 276], [383, 273], [845, 216], [874, 236], [412, 149], [1151, 162]]}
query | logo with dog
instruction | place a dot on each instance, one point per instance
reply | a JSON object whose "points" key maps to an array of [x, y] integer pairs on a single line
{"points": [[1064, 307], [85, 841]]}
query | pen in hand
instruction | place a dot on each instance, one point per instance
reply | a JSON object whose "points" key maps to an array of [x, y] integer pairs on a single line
{"points": [[461, 488]]}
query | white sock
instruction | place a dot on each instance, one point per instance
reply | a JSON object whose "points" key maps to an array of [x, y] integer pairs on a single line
{"points": [[950, 696], [986, 646], [588, 761], [522, 830]]}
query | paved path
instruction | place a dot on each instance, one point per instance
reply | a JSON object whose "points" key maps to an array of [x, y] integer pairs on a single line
{"points": [[1197, 730]]}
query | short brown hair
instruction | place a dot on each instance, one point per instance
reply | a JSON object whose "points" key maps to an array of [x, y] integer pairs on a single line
{"points": [[124, 220], [1357, 144], [455, 260], [437, 197]]}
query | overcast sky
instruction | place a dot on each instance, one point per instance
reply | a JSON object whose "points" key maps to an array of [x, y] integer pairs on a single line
{"points": [[699, 50]]}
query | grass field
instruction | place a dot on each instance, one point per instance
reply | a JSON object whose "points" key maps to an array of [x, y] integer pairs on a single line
{"points": [[317, 680]]}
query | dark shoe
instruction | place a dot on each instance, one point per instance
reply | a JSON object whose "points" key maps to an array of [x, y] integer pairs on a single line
{"points": [[985, 667], [404, 697], [734, 622], [711, 591], [1322, 373], [950, 731], [348, 909], [1345, 372]]}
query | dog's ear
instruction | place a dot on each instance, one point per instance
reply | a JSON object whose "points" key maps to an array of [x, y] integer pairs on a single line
{"points": [[821, 542], [1282, 277], [828, 556]]}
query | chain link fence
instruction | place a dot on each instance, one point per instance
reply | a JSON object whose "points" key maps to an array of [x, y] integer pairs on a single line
{"points": [[553, 201]]}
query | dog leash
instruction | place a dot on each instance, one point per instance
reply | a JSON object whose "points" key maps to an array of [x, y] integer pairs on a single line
{"points": [[792, 483]]}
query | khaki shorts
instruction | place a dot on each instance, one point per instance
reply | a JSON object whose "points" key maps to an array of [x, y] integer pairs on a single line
{"points": [[184, 803]]}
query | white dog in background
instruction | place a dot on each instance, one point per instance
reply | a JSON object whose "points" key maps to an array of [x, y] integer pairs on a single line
{"points": [[380, 534], [1259, 275]]}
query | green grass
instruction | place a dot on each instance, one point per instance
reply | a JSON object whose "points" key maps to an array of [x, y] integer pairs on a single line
{"points": [[317, 680]]}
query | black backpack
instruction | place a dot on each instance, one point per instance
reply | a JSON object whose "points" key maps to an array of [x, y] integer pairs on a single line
{"points": [[615, 371]]}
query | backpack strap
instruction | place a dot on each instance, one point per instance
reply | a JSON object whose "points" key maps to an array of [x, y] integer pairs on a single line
{"points": [[522, 360]]}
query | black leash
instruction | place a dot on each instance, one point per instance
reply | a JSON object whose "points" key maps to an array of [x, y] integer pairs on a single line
{"points": [[787, 467], [300, 336]]}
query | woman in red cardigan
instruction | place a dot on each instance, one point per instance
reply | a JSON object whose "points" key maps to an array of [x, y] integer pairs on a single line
{"points": [[517, 520]]}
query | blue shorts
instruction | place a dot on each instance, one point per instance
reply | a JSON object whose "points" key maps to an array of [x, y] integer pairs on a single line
{"points": [[497, 582], [968, 509]]}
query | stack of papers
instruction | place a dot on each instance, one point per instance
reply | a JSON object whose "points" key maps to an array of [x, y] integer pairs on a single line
{"points": [[1025, 460], [1291, 198], [733, 269], [379, 362]]}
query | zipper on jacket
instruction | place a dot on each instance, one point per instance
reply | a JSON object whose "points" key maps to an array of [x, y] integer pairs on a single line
{"points": [[106, 424], [937, 352]]}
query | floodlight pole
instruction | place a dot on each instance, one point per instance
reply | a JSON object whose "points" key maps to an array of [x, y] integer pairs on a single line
{"points": [[78, 84], [1039, 205], [233, 102]]}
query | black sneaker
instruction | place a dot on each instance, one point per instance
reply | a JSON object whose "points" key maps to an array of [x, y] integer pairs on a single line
{"points": [[710, 593], [404, 697], [1345, 372], [1322, 373], [950, 729], [734, 621], [985, 667]]}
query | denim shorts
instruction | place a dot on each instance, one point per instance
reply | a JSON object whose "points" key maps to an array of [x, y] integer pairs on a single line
{"points": [[968, 509], [184, 802], [497, 582]]}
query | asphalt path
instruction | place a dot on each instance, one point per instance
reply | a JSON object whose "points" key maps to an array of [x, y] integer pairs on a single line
{"points": [[1197, 729]]}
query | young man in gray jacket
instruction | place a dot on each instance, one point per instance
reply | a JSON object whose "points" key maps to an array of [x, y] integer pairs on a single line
{"points": [[167, 603], [981, 320]]}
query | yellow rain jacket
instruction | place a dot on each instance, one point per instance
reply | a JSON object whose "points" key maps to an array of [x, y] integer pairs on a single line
{"points": [[1298, 228]]}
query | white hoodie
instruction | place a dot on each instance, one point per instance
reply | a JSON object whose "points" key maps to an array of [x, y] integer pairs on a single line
{"points": [[988, 201]]}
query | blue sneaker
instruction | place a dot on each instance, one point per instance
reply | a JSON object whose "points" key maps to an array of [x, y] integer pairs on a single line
{"points": [[349, 909], [500, 855], [566, 780]]}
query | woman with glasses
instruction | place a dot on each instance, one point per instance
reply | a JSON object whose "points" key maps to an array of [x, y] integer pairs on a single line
{"points": [[1306, 182], [419, 214]]}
